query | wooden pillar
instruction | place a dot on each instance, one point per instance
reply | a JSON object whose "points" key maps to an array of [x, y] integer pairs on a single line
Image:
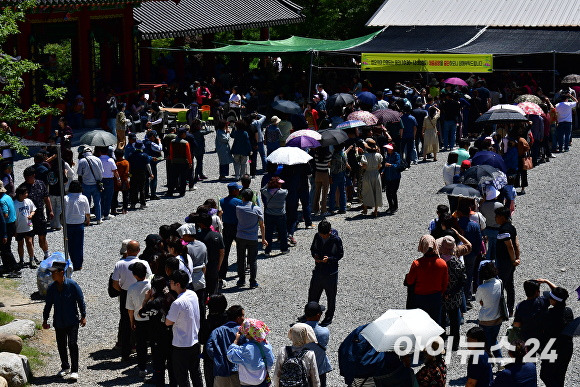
{"points": [[106, 53], [84, 55], [179, 42], [265, 33], [128, 50], [208, 57], [23, 50], [240, 65], [144, 61]]}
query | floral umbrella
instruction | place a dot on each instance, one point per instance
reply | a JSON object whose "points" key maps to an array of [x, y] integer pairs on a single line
{"points": [[531, 108], [387, 116], [366, 117], [528, 98]]}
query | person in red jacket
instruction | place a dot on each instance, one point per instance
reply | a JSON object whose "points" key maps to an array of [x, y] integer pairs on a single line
{"points": [[429, 277]]}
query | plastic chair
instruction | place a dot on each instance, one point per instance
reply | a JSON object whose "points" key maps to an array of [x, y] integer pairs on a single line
{"points": [[205, 112], [182, 117]]}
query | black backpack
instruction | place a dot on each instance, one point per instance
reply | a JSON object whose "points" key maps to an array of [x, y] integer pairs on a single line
{"points": [[293, 372]]}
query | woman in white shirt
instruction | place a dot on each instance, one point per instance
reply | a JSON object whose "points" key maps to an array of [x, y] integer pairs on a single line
{"points": [[300, 334], [77, 215], [488, 295]]}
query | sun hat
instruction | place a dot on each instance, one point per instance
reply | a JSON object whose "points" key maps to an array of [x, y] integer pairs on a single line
{"points": [[275, 120], [256, 329]]}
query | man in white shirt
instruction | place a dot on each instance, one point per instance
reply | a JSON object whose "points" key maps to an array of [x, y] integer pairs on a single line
{"points": [[564, 108], [110, 174], [183, 317], [135, 296], [90, 171], [323, 94], [123, 278]]}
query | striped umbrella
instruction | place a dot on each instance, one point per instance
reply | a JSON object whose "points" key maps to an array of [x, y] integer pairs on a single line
{"points": [[350, 124], [366, 117]]}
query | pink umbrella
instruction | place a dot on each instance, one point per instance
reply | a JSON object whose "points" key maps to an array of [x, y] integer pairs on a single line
{"points": [[531, 108], [366, 117], [455, 81]]}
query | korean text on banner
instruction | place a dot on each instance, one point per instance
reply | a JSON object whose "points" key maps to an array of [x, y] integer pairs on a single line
{"points": [[437, 63]]}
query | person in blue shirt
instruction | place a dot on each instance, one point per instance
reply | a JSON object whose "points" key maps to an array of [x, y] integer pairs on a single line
{"points": [[312, 314], [8, 218], [220, 339], [479, 373], [472, 233], [230, 220], [67, 298], [392, 177], [407, 135], [517, 373]]}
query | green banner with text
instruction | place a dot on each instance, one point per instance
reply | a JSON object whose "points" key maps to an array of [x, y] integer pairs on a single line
{"points": [[436, 63]]}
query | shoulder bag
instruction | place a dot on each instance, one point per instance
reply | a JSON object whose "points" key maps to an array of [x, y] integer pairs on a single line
{"points": [[98, 183]]}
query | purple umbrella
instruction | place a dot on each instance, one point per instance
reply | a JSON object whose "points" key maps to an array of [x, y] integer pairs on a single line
{"points": [[303, 142], [489, 158], [455, 81], [367, 98]]}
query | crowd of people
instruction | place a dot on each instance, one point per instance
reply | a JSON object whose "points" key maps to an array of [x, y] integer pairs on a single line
{"points": [[170, 293]]}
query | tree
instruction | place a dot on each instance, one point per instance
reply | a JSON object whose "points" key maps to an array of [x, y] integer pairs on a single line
{"points": [[12, 71]]}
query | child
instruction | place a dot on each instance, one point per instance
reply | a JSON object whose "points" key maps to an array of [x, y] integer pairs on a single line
{"points": [[25, 209], [273, 135]]}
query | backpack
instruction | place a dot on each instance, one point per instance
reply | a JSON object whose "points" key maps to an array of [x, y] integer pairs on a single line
{"points": [[293, 372]]}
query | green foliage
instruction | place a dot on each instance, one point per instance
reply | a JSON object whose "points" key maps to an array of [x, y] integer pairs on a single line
{"points": [[35, 357], [326, 19], [5, 318], [12, 72], [62, 70]]}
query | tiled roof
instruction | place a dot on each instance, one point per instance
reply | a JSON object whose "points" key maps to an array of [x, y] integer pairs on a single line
{"points": [[193, 17], [74, 3]]}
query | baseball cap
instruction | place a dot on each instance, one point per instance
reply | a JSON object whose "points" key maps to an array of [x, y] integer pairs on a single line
{"points": [[313, 308], [187, 229], [124, 246], [57, 266], [181, 130], [151, 133], [389, 146], [139, 269], [466, 164], [232, 186]]}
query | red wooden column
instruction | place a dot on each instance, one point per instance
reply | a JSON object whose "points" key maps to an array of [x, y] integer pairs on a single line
{"points": [[106, 53], [265, 33], [179, 42], [128, 49], [23, 50], [208, 57], [84, 55]]}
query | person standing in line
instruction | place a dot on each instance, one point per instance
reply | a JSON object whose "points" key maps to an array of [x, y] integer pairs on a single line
{"points": [[564, 111], [487, 209], [392, 177], [181, 161], [140, 167], [25, 209], [430, 133], [214, 244], [136, 294], [110, 176], [67, 298], [183, 317], [488, 295], [38, 193], [507, 254], [339, 168], [274, 198], [225, 373], [272, 135], [90, 173], [479, 371], [312, 314], [241, 148], [322, 157], [256, 125], [250, 218], [152, 147], [8, 213], [199, 132], [230, 220], [407, 134], [222, 148], [327, 250], [122, 279], [77, 216], [371, 161], [300, 335]]}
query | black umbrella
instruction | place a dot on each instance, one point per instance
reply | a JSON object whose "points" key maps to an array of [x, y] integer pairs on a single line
{"points": [[332, 137], [338, 100], [460, 190], [501, 115], [287, 107], [484, 174]]}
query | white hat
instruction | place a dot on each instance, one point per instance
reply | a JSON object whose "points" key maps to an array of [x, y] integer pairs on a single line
{"points": [[491, 193], [187, 229]]}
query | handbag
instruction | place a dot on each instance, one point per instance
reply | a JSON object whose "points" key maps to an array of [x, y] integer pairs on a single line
{"points": [[503, 309], [111, 290], [527, 163], [98, 183]]}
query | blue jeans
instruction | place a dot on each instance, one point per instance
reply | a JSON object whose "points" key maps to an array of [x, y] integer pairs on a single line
{"points": [[430, 303], [107, 196], [563, 133], [278, 223], [491, 332], [92, 193], [262, 153], [449, 128], [491, 242], [338, 182], [76, 241], [407, 145]]}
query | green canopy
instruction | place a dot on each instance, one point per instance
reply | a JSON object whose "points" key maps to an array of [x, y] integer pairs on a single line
{"points": [[292, 44]]}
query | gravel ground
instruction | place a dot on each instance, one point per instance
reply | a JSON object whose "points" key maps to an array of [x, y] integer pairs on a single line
{"points": [[378, 253]]}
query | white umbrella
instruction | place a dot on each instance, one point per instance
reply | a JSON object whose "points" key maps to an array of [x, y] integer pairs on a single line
{"points": [[305, 132], [508, 107], [414, 324], [289, 156]]}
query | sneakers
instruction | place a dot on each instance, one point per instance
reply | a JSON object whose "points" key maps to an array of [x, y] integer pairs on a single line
{"points": [[74, 376], [32, 264], [292, 240], [62, 373], [268, 254], [284, 252], [253, 285], [240, 284]]}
